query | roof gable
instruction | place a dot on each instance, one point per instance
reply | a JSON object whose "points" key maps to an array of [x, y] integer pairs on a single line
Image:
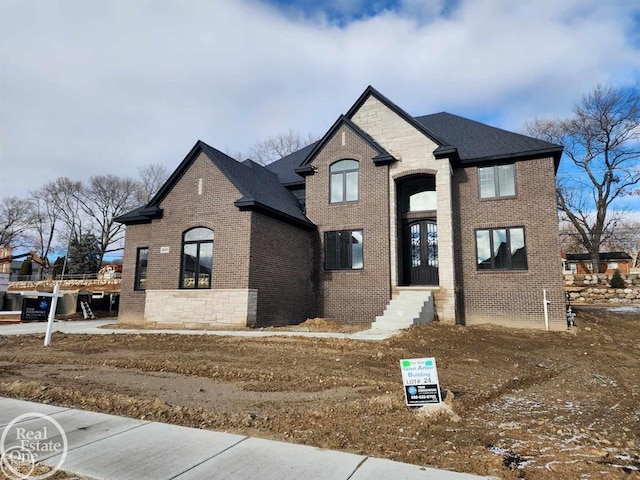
{"points": [[382, 158], [260, 189], [372, 92]]}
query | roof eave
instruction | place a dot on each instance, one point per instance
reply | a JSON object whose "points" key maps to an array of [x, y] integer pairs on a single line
{"points": [[248, 204], [447, 152], [144, 215], [380, 160], [305, 170], [555, 153]]}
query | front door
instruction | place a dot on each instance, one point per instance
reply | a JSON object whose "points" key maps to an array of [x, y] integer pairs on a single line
{"points": [[420, 252]]}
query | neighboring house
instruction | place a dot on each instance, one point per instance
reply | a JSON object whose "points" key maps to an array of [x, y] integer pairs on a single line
{"points": [[383, 206], [581, 263]]}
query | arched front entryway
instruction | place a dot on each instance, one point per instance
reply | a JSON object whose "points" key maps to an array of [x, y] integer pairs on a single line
{"points": [[418, 231]]}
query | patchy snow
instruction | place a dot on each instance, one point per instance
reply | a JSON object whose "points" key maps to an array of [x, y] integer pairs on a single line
{"points": [[625, 309]]}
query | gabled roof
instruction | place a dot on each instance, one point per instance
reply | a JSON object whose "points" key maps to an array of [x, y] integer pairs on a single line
{"points": [[285, 167], [370, 91], [604, 256], [477, 142], [382, 158], [260, 189], [465, 141]]}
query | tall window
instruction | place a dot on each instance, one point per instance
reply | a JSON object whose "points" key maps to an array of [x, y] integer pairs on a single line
{"points": [[344, 181], [141, 269], [501, 249], [197, 258], [497, 181], [343, 250]]}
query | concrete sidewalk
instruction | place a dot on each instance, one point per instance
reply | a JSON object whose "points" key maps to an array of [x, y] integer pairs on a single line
{"points": [[92, 327], [111, 447]]}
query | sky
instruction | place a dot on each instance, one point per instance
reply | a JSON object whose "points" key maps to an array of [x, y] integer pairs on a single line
{"points": [[93, 87]]}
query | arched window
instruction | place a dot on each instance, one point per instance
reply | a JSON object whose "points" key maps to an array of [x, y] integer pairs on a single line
{"points": [[197, 258], [418, 194], [343, 186]]}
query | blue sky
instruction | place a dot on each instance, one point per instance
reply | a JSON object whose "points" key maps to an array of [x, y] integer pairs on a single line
{"points": [[106, 86]]}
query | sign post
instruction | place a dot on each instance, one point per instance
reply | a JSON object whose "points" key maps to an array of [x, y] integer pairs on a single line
{"points": [[420, 379], [52, 314], [52, 309]]}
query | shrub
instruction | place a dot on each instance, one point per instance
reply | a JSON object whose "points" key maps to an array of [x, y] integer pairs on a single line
{"points": [[616, 280]]}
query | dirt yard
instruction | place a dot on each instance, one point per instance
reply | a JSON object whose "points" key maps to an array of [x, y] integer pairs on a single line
{"points": [[532, 405]]}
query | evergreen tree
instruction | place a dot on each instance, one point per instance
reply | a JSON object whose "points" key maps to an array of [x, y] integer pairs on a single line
{"points": [[26, 269], [56, 269], [84, 255], [616, 280]]}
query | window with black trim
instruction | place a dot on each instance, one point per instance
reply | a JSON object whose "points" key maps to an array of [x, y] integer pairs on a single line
{"points": [[501, 249], [343, 250], [197, 258], [343, 185], [142, 255], [497, 181]]}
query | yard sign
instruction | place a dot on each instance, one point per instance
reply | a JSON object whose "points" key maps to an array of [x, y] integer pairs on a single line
{"points": [[420, 379]]}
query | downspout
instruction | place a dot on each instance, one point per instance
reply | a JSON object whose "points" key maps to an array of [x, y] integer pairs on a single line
{"points": [[389, 215], [546, 308]]}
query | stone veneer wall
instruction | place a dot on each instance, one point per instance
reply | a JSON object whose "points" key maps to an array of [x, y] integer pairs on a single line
{"points": [[414, 152], [595, 288], [202, 308]]}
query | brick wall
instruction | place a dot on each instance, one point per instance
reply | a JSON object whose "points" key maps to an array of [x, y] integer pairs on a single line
{"points": [[185, 208], [352, 296], [131, 308], [281, 271], [511, 298]]}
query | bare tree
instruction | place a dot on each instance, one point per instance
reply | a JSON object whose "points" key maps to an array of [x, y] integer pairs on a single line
{"points": [[278, 146], [626, 238], [152, 177], [45, 218], [104, 198], [602, 139], [569, 238], [15, 217], [64, 194]]}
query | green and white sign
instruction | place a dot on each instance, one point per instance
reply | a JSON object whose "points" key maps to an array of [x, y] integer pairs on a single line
{"points": [[420, 379]]}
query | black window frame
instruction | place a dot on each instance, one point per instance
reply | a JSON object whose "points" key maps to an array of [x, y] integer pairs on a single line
{"points": [[493, 267], [338, 253], [141, 272], [343, 174], [198, 244], [496, 182]]}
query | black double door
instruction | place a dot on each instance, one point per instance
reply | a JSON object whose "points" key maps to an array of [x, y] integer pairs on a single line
{"points": [[420, 252]]}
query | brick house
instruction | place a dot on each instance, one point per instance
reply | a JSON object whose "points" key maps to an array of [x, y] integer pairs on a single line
{"points": [[581, 264], [384, 207]]}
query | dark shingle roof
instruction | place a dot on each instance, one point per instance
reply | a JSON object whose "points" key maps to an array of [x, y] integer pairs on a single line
{"points": [[477, 142], [284, 168], [604, 256], [261, 189], [259, 186]]}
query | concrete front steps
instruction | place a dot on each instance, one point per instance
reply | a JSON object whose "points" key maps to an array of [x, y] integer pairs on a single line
{"points": [[409, 306]]}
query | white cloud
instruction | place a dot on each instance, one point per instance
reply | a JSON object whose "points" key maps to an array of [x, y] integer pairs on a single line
{"points": [[108, 85]]}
